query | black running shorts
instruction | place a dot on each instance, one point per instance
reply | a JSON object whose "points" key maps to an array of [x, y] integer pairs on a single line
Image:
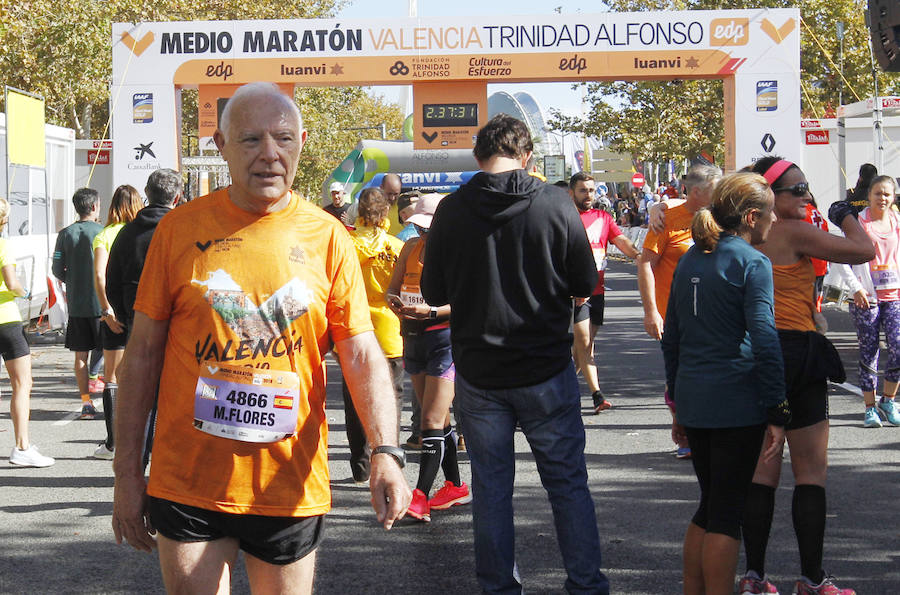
{"points": [[593, 309], [276, 540], [112, 341], [83, 333], [13, 343]]}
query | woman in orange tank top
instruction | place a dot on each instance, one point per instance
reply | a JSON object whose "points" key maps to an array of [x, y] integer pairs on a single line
{"points": [[809, 359], [429, 363]]}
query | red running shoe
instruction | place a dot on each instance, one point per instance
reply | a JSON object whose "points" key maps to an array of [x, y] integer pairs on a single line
{"points": [[450, 495], [418, 508], [96, 385]]}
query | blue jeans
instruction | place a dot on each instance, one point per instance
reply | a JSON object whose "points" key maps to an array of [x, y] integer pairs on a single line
{"points": [[549, 414]]}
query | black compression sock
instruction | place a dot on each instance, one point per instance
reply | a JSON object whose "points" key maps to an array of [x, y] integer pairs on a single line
{"points": [[109, 406], [808, 511], [430, 458], [758, 511], [450, 464]]}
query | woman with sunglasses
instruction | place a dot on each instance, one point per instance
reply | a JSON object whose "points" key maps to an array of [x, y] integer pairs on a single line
{"points": [[809, 360], [426, 355], [876, 302]]}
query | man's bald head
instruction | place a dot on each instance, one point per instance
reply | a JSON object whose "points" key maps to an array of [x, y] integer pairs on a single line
{"points": [[260, 138], [253, 92], [390, 186]]}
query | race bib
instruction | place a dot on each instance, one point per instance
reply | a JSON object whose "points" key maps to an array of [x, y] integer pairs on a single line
{"points": [[246, 404], [600, 258], [884, 277], [411, 299]]}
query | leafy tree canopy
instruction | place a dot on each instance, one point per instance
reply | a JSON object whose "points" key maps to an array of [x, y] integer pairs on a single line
{"points": [[675, 119], [61, 50]]}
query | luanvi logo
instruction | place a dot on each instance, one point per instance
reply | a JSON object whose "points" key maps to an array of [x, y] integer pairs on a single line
{"points": [[204, 245], [729, 32], [778, 34], [137, 46]]}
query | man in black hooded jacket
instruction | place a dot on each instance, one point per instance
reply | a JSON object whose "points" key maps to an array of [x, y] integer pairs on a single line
{"points": [[126, 257], [508, 253], [123, 271]]}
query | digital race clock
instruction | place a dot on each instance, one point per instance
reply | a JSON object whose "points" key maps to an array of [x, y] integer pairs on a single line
{"points": [[443, 115]]}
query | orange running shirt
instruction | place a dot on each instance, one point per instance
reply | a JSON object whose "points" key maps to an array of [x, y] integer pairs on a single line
{"points": [[794, 305], [271, 292], [671, 245]]}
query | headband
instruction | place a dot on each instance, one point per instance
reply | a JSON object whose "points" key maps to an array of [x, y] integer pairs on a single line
{"points": [[776, 170]]}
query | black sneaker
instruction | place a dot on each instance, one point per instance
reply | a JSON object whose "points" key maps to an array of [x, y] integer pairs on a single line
{"points": [[360, 470], [600, 402], [88, 411]]}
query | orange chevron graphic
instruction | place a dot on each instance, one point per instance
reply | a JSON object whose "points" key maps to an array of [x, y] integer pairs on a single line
{"points": [[777, 34], [137, 47]]}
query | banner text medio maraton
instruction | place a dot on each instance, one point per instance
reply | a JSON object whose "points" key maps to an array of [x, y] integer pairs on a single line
{"points": [[493, 37]]}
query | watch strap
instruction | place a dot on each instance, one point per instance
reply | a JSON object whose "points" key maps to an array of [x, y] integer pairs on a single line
{"points": [[395, 451]]}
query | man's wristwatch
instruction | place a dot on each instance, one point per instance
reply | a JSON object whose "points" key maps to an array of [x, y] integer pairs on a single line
{"points": [[395, 451], [107, 312], [432, 313]]}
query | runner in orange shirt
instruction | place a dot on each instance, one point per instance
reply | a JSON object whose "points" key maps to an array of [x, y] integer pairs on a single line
{"points": [[660, 255], [243, 293]]}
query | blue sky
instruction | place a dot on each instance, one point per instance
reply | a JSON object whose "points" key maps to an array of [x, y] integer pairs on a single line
{"points": [[558, 95]]}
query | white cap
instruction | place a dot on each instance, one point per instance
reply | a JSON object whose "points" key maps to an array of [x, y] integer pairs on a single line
{"points": [[424, 210], [336, 187]]}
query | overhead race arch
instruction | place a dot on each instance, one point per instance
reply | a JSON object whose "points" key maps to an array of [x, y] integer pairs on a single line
{"points": [[755, 52]]}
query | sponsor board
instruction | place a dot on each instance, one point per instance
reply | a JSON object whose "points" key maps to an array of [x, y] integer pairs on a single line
{"points": [[100, 157], [142, 108], [817, 137], [766, 96]]}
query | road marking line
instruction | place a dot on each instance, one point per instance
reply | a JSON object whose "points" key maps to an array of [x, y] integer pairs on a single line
{"points": [[69, 418], [850, 388]]}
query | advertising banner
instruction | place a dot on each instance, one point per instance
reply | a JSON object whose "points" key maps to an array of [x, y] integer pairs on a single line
{"points": [[757, 50]]}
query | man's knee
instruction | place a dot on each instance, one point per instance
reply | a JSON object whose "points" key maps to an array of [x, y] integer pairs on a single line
{"points": [[194, 567], [296, 577]]}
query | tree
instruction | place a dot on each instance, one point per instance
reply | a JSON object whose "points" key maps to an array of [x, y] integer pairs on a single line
{"points": [[652, 120], [61, 49]]}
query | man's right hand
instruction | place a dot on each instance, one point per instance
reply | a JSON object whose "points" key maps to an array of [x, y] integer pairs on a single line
{"points": [[130, 521], [653, 324]]}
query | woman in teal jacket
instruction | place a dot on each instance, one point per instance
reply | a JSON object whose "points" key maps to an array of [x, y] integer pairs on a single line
{"points": [[724, 367]]}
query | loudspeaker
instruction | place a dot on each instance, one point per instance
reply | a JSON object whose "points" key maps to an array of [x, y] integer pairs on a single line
{"points": [[884, 24]]}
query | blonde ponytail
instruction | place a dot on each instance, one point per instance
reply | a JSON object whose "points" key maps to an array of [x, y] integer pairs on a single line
{"points": [[705, 230]]}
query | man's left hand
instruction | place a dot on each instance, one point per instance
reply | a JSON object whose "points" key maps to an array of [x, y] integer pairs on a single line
{"points": [[390, 493]]}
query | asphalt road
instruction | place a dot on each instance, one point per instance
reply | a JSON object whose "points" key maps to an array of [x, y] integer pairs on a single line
{"points": [[55, 534]]}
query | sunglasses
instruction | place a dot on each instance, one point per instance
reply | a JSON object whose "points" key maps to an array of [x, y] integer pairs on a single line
{"points": [[797, 189]]}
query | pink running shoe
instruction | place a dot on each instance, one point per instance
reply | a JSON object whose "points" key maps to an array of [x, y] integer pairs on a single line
{"points": [[418, 508], [450, 495], [751, 585], [96, 385], [826, 587]]}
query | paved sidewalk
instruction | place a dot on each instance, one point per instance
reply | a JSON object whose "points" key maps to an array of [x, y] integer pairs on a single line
{"points": [[55, 522]]}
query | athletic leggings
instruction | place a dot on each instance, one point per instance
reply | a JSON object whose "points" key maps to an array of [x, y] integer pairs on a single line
{"points": [[724, 460], [869, 322]]}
